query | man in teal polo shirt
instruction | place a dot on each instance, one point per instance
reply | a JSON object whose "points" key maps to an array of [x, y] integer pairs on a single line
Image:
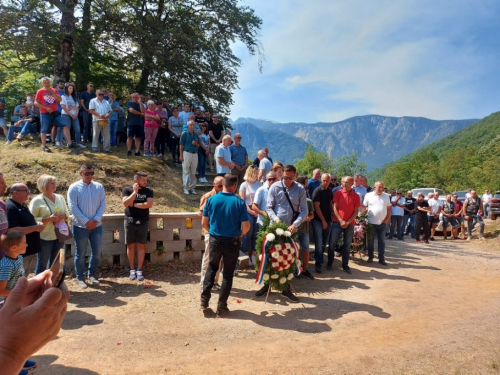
{"points": [[226, 220], [188, 146]]}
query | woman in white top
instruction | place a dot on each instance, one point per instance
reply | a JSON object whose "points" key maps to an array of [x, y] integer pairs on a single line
{"points": [[50, 209], [247, 193], [69, 105]]}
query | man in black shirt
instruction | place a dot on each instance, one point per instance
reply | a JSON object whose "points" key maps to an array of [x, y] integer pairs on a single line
{"points": [[199, 117], [135, 123], [137, 199], [216, 132], [20, 219], [322, 199], [409, 214], [421, 210]]}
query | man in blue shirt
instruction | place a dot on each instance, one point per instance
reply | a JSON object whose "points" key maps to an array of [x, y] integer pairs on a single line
{"points": [[87, 202], [239, 157], [188, 148], [85, 98], [226, 220], [223, 156], [314, 182]]}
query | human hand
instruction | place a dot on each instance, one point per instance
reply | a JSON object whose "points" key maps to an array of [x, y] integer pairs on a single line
{"points": [[292, 229], [136, 187], [48, 109], [42, 318], [39, 227], [325, 224]]}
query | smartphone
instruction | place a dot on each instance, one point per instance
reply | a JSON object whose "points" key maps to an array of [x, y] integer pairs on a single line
{"points": [[58, 269]]}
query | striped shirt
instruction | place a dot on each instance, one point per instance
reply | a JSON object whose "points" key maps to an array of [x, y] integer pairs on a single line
{"points": [[11, 270], [86, 202]]}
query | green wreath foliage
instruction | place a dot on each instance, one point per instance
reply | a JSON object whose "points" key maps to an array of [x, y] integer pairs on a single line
{"points": [[274, 281]]}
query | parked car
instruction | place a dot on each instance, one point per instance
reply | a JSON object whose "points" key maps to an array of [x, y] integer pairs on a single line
{"points": [[426, 191], [495, 206], [461, 194]]}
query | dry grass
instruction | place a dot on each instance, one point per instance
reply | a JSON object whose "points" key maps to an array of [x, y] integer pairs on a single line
{"points": [[25, 162]]}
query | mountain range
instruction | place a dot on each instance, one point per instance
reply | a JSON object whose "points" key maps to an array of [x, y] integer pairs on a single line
{"points": [[377, 139]]}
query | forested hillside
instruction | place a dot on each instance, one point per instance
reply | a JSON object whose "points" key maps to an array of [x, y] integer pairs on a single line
{"points": [[469, 158]]}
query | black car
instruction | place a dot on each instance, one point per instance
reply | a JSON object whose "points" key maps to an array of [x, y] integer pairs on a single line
{"points": [[495, 206]]}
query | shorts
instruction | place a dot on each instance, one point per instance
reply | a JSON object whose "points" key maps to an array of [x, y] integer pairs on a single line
{"points": [[135, 130], [303, 240], [3, 122], [47, 119], [136, 233], [213, 146], [451, 220], [432, 219]]}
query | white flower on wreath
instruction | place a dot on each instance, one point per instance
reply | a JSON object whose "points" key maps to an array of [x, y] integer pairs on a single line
{"points": [[283, 280], [266, 277], [287, 233], [290, 276], [298, 262], [275, 276], [278, 247], [280, 232], [275, 255], [271, 237]]}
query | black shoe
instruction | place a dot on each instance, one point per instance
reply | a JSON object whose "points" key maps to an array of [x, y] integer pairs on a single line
{"points": [[307, 274], [317, 269], [262, 291], [329, 266], [291, 297], [72, 145], [370, 260], [383, 262], [401, 239], [129, 153], [203, 305], [138, 153], [432, 239], [216, 287], [347, 269], [46, 149], [222, 312], [297, 276], [389, 238]]}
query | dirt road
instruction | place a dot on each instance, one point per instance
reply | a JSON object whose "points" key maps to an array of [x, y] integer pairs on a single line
{"points": [[434, 309]]}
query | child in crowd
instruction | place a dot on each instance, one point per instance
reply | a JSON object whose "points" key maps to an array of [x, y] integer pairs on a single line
{"points": [[11, 269]]}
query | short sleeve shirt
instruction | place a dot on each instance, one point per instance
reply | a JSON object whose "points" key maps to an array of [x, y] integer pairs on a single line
{"points": [[238, 154], [141, 197], [20, 216], [47, 99], [216, 130], [11, 270], [397, 211], [4, 224], [377, 207], [86, 97], [132, 118], [225, 154], [324, 197], [226, 212], [266, 166], [347, 204], [421, 214]]}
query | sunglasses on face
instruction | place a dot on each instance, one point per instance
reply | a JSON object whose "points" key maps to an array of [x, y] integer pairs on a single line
{"points": [[25, 190], [219, 186], [88, 173], [271, 179], [288, 178]]}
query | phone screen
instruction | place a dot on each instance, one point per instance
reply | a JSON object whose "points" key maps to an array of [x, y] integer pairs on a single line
{"points": [[58, 269]]}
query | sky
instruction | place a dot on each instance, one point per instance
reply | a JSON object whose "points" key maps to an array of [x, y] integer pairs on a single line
{"points": [[328, 60]]}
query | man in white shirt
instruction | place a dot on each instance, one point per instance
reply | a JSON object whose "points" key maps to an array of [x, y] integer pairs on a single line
{"points": [[184, 115], [436, 206], [378, 205], [397, 212], [100, 110], [486, 202]]}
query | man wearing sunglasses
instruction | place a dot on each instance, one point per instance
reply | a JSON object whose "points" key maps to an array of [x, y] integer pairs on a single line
{"points": [[100, 110], [260, 199], [87, 202]]}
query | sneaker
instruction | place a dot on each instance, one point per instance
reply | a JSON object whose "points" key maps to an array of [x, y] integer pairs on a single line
{"points": [[329, 266], [468, 238], [29, 365], [253, 259], [24, 372], [337, 254], [216, 287], [81, 145], [139, 275], [307, 274], [291, 297], [8, 142], [262, 291], [52, 144], [222, 311], [203, 305], [58, 144], [132, 274], [93, 280], [193, 192], [186, 191], [82, 285], [138, 153], [482, 238], [95, 150], [432, 239], [20, 136], [147, 154], [108, 151], [129, 153], [46, 149], [72, 145]]}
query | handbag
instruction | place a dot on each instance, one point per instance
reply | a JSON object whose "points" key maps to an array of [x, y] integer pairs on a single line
{"points": [[61, 237]]}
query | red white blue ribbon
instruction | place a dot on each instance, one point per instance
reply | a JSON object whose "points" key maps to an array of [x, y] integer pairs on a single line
{"points": [[263, 261], [297, 256]]}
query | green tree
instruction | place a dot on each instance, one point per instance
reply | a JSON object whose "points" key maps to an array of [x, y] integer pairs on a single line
{"points": [[348, 165], [312, 160]]}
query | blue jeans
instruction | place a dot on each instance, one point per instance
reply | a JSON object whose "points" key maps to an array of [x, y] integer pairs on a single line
{"points": [[411, 218], [82, 237], [379, 231], [72, 124], [47, 119], [202, 163], [249, 239], [47, 254], [396, 221], [113, 125], [87, 126], [346, 248], [24, 129], [321, 237]]}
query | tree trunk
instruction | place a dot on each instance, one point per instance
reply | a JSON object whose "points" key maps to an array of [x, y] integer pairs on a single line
{"points": [[62, 64], [142, 85], [82, 67]]}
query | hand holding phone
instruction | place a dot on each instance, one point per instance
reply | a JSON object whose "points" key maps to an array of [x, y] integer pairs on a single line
{"points": [[58, 269]]}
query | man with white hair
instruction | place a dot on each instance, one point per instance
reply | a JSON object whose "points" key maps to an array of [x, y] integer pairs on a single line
{"points": [[264, 165], [100, 110], [223, 156]]}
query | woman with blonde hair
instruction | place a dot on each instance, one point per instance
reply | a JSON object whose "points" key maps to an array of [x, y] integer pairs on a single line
{"points": [[50, 209], [247, 193]]}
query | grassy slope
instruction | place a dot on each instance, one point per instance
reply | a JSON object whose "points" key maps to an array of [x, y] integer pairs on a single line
{"points": [[26, 162], [480, 133]]}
